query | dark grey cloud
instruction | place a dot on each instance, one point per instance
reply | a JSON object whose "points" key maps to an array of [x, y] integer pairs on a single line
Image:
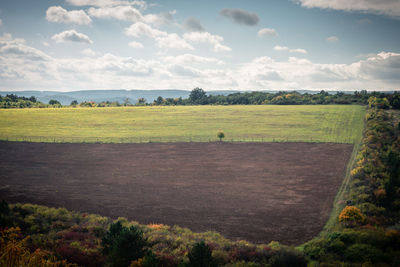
{"points": [[240, 16], [193, 25]]}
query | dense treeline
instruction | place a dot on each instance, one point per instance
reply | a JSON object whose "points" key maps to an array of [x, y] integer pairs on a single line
{"points": [[199, 97], [367, 229]]}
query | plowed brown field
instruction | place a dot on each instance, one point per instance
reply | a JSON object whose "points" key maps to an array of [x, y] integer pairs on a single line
{"points": [[254, 191]]}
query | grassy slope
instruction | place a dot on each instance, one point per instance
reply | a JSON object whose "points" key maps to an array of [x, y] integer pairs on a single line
{"points": [[329, 123]]}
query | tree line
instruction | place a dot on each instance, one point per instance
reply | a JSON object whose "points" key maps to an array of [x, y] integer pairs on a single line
{"points": [[200, 97]]}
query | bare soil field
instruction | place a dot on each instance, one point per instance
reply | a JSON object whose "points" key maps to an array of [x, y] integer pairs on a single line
{"points": [[254, 191]]}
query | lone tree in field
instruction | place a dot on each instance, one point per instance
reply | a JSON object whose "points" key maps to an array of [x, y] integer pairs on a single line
{"points": [[220, 135]]}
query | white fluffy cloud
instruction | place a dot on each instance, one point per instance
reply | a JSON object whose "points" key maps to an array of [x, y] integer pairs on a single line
{"points": [[163, 39], [88, 52], [208, 38], [104, 3], [332, 39], [384, 7], [281, 48], [266, 32], [285, 48], [135, 45], [25, 67], [71, 36], [298, 50], [18, 48], [374, 73], [127, 13], [60, 15], [192, 60]]}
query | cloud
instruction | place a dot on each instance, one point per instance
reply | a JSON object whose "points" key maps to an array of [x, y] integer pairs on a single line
{"points": [[107, 3], [281, 48], [380, 71], [1, 22], [208, 38], [172, 40], [88, 52], [240, 16], [285, 48], [71, 36], [160, 19], [25, 67], [60, 15], [127, 13], [298, 50], [266, 32], [380, 7], [141, 29], [17, 48], [192, 60], [135, 45], [193, 25], [163, 39], [332, 39]]}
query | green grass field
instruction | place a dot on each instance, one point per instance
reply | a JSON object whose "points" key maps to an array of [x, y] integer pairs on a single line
{"points": [[329, 123]]}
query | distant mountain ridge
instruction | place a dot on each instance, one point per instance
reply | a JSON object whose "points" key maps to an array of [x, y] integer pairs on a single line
{"points": [[65, 98]]}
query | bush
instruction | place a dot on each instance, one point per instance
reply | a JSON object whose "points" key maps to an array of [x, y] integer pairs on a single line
{"points": [[122, 245]]}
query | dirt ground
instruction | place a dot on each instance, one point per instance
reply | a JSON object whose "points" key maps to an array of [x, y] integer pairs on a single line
{"points": [[254, 191]]}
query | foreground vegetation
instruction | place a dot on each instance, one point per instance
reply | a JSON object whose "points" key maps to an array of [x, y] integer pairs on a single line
{"points": [[330, 123], [367, 230], [93, 240]]}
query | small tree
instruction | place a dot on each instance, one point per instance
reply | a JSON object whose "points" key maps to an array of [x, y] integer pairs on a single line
{"points": [[122, 245], [74, 103], [201, 256], [351, 216], [220, 135]]}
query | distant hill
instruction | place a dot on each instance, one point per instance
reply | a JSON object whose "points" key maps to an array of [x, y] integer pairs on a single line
{"points": [[65, 98]]}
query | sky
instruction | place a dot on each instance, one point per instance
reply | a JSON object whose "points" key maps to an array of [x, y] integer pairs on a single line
{"points": [[69, 45]]}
